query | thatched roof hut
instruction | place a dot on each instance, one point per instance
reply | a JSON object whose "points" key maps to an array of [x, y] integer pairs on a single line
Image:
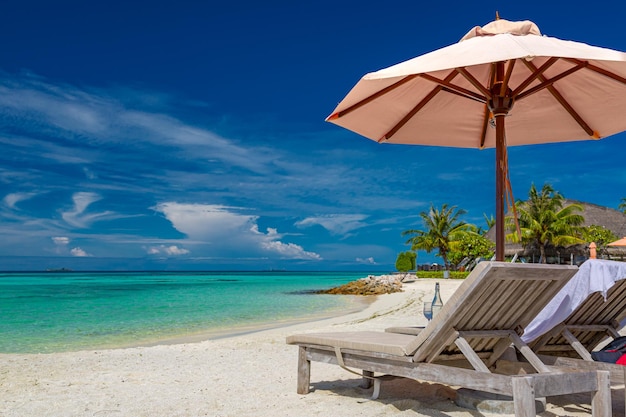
{"points": [[612, 219]]}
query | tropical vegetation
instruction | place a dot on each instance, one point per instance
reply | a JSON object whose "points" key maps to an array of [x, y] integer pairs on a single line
{"points": [[600, 235], [439, 274], [443, 228], [544, 220], [622, 205], [490, 221], [471, 246], [406, 261]]}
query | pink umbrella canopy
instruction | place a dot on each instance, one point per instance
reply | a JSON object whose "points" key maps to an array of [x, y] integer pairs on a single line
{"points": [[503, 84], [620, 242]]}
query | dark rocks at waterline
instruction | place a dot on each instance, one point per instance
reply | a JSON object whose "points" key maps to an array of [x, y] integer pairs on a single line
{"points": [[372, 285]]}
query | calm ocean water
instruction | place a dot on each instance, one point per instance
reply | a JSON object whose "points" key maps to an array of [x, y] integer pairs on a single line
{"points": [[54, 312]]}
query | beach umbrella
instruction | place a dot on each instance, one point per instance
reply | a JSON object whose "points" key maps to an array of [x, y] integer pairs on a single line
{"points": [[620, 242], [503, 84]]}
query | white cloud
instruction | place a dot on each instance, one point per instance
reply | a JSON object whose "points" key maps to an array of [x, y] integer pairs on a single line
{"points": [[290, 250], [65, 109], [224, 229], [338, 224], [202, 221], [171, 250], [89, 174], [369, 261], [77, 216], [133, 116], [200, 142], [61, 240], [78, 252], [60, 244], [11, 200]]}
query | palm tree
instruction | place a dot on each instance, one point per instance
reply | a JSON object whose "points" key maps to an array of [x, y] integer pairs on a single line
{"points": [[543, 220], [622, 205], [490, 221], [442, 229]]}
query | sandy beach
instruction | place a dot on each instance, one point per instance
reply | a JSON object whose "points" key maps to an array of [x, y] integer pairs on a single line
{"points": [[246, 375]]}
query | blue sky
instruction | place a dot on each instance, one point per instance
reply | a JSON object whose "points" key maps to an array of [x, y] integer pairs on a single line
{"points": [[191, 134]]}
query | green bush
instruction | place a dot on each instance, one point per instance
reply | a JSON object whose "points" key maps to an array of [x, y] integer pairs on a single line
{"points": [[439, 274], [406, 261]]}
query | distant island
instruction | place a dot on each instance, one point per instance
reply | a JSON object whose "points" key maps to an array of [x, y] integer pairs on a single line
{"points": [[59, 270]]}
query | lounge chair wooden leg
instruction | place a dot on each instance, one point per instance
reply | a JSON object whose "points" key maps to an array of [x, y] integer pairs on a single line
{"points": [[367, 379], [524, 397], [601, 399], [304, 372]]}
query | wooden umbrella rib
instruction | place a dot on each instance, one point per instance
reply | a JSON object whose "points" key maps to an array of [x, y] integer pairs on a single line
{"points": [[457, 93], [555, 93], [483, 133], [599, 70], [373, 96], [606, 73], [571, 111], [418, 107], [469, 77], [507, 77], [548, 81], [459, 90], [534, 75]]}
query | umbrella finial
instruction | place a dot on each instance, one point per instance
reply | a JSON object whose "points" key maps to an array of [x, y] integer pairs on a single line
{"points": [[497, 15]]}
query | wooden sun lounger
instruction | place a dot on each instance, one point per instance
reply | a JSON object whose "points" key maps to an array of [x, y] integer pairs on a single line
{"points": [[589, 325], [462, 344], [594, 321]]}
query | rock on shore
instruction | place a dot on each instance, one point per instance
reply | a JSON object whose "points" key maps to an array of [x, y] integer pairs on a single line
{"points": [[372, 285]]}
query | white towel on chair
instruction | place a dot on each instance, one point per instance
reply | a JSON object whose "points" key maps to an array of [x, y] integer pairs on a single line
{"points": [[594, 275]]}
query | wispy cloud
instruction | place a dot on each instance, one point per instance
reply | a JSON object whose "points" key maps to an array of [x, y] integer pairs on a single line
{"points": [[93, 117], [338, 224], [12, 199], [77, 216]]}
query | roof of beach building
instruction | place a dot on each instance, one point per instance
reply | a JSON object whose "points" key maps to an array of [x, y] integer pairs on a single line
{"points": [[612, 219]]}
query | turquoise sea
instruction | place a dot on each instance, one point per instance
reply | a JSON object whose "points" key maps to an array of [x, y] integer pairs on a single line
{"points": [[54, 312]]}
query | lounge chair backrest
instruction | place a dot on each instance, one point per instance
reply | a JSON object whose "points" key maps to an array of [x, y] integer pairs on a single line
{"points": [[495, 296], [587, 322]]}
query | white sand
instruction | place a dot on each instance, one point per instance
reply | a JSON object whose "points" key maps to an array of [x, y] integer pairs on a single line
{"points": [[248, 375]]}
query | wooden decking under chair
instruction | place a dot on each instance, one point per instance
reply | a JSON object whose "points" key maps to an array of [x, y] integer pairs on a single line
{"points": [[462, 344]]}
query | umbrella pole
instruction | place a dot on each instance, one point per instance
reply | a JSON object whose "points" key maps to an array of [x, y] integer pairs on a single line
{"points": [[500, 104], [500, 187]]}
